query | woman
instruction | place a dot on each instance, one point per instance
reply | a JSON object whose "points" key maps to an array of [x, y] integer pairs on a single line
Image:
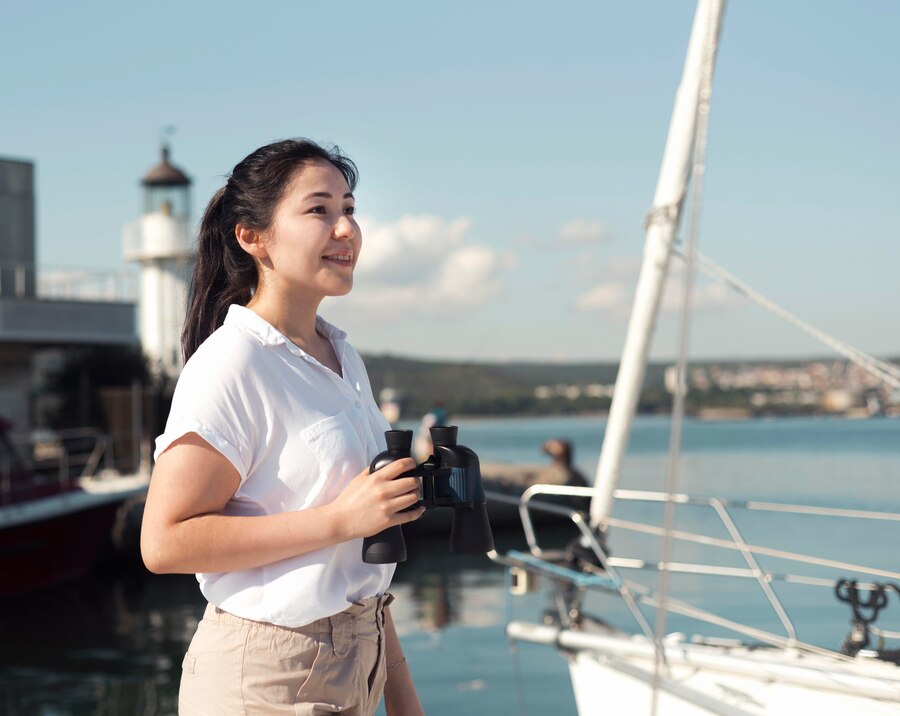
{"points": [[260, 484]]}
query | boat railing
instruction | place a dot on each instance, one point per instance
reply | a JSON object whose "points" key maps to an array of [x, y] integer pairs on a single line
{"points": [[60, 455], [633, 592]]}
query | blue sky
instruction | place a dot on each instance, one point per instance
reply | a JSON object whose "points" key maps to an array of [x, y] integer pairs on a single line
{"points": [[508, 155]]}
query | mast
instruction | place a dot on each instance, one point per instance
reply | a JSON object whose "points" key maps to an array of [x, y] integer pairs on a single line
{"points": [[662, 224]]}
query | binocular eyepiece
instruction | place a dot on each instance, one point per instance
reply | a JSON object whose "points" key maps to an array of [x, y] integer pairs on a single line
{"points": [[451, 477]]}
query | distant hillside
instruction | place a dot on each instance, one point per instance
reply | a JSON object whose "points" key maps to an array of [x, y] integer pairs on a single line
{"points": [[493, 388], [530, 388]]}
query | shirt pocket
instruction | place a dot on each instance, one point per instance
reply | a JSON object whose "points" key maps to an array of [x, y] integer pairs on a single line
{"points": [[339, 457]]}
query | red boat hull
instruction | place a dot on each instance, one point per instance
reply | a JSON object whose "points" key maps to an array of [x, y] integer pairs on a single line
{"points": [[53, 550]]}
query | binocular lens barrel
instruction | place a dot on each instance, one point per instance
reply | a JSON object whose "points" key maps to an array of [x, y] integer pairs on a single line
{"points": [[470, 532], [444, 435], [451, 477], [388, 546]]}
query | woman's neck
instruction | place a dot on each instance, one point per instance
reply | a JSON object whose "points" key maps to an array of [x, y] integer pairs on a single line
{"points": [[298, 324], [295, 320]]}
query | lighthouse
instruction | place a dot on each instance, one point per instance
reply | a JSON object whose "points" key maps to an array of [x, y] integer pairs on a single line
{"points": [[160, 242]]}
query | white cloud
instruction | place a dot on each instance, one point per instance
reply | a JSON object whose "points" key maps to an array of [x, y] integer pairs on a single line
{"points": [[615, 287], [582, 231], [424, 264], [609, 295], [409, 246], [706, 294], [575, 233]]}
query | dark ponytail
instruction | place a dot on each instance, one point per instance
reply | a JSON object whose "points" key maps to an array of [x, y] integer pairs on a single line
{"points": [[225, 274]]}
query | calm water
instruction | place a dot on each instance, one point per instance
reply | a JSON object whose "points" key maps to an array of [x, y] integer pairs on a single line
{"points": [[113, 644]]}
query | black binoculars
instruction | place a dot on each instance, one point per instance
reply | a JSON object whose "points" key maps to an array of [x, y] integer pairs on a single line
{"points": [[451, 477]]}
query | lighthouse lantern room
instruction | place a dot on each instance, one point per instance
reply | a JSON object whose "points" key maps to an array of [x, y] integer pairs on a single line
{"points": [[161, 244]]}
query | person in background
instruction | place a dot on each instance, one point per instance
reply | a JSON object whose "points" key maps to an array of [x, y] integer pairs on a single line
{"points": [[437, 416], [261, 484], [562, 452]]}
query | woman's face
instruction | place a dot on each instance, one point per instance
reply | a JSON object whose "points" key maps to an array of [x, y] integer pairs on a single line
{"points": [[314, 241]]}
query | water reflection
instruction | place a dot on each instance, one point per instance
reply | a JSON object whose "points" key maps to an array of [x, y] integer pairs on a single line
{"points": [[113, 644], [441, 588]]}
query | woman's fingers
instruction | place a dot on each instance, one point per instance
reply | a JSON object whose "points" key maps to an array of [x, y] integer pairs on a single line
{"points": [[402, 485], [374, 501], [400, 494], [403, 500], [411, 516], [394, 469]]}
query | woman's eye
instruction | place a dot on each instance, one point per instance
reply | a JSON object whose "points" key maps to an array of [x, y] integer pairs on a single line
{"points": [[350, 210], [318, 210]]}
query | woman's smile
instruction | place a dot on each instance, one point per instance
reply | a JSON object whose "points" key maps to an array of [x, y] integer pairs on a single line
{"points": [[341, 259]]}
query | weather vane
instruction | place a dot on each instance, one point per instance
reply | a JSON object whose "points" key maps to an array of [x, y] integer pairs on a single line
{"points": [[166, 132]]}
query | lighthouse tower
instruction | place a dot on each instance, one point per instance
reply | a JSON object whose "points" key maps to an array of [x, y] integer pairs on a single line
{"points": [[160, 242]]}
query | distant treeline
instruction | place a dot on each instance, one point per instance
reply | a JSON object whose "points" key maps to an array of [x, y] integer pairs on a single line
{"points": [[72, 394], [469, 388], [500, 388]]}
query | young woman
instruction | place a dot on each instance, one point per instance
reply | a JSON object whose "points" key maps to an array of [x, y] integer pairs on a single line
{"points": [[260, 484]]}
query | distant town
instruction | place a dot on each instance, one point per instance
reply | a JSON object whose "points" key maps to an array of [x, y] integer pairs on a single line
{"points": [[815, 386], [716, 390]]}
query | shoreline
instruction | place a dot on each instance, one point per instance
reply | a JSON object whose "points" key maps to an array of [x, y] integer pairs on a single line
{"points": [[704, 415]]}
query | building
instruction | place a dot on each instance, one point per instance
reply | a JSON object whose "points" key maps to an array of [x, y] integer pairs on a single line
{"points": [[38, 315], [160, 243]]}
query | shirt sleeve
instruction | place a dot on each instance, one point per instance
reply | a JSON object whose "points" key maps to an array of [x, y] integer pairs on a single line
{"points": [[209, 402]]}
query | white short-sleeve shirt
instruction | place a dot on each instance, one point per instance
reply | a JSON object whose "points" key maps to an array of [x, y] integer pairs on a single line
{"points": [[297, 433]]}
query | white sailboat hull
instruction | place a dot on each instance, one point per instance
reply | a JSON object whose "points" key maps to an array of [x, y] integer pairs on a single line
{"points": [[702, 679]]}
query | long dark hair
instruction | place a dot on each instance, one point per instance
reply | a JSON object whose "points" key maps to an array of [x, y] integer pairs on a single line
{"points": [[225, 273]]}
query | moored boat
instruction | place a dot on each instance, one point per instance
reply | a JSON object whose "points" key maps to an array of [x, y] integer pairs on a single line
{"points": [[57, 521]]}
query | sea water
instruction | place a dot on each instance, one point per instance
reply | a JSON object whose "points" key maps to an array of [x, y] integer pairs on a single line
{"points": [[113, 644]]}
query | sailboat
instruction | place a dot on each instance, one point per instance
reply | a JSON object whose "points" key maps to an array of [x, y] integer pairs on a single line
{"points": [[734, 667]]}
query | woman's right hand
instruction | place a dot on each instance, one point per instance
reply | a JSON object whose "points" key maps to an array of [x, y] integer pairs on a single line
{"points": [[375, 501], [185, 528]]}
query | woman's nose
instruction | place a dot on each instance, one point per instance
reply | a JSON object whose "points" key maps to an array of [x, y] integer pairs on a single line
{"points": [[345, 228]]}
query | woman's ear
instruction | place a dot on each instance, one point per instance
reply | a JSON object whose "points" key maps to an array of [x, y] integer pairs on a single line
{"points": [[251, 241]]}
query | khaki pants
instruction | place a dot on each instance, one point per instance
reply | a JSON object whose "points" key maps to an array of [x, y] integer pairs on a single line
{"points": [[334, 665]]}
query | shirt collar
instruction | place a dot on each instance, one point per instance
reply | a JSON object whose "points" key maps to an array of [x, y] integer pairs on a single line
{"points": [[243, 317], [268, 335], [334, 334]]}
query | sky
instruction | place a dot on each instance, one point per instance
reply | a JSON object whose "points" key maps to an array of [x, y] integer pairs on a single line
{"points": [[508, 155]]}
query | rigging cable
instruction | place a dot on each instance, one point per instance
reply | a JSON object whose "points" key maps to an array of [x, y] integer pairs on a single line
{"points": [[698, 170], [885, 372]]}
